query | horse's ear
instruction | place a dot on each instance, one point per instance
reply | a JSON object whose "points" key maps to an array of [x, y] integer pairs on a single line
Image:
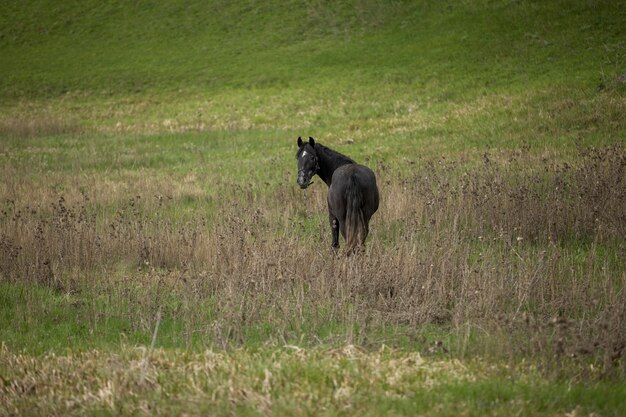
{"points": [[311, 141], [299, 141]]}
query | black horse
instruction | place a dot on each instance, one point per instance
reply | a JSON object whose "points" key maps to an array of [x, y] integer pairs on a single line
{"points": [[352, 191]]}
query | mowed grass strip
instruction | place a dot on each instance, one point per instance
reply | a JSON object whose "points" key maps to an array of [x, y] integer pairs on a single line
{"points": [[286, 381]]}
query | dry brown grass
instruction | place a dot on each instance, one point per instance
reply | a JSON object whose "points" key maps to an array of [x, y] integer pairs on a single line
{"points": [[515, 256], [38, 126], [285, 381], [217, 383]]}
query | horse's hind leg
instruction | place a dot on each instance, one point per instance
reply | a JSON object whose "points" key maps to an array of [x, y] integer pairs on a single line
{"points": [[365, 233], [334, 227]]}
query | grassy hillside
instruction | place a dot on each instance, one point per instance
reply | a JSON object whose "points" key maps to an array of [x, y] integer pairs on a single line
{"points": [[450, 49], [418, 70]]}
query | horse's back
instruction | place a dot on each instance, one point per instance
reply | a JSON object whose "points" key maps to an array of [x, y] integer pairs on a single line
{"points": [[358, 176]]}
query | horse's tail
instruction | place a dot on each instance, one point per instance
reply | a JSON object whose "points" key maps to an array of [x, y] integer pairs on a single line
{"points": [[356, 229]]}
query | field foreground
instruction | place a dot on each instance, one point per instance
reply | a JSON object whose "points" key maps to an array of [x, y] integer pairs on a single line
{"points": [[287, 381]]}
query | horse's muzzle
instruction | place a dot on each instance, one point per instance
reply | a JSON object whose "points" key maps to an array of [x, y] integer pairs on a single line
{"points": [[303, 181]]}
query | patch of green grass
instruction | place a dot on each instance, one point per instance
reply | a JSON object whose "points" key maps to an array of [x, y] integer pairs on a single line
{"points": [[38, 320]]}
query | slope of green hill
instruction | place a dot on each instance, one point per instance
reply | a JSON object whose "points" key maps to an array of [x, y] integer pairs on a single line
{"points": [[444, 76], [447, 49]]}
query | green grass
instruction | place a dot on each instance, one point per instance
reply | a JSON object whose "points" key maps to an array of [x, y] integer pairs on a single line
{"points": [[426, 77], [41, 320], [452, 49]]}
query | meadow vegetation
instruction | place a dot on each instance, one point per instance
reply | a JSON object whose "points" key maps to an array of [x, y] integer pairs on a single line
{"points": [[157, 256]]}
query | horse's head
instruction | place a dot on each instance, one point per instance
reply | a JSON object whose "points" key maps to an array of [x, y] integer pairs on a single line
{"points": [[308, 163]]}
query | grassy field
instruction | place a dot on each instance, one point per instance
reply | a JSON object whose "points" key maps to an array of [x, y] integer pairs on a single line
{"points": [[157, 256]]}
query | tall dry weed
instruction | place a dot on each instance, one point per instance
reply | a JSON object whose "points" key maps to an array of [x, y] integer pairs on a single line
{"points": [[528, 253]]}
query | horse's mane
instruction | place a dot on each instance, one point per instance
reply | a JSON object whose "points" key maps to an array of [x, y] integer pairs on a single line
{"points": [[329, 153]]}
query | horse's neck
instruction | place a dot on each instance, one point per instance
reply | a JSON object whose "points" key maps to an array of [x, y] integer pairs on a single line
{"points": [[328, 165]]}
